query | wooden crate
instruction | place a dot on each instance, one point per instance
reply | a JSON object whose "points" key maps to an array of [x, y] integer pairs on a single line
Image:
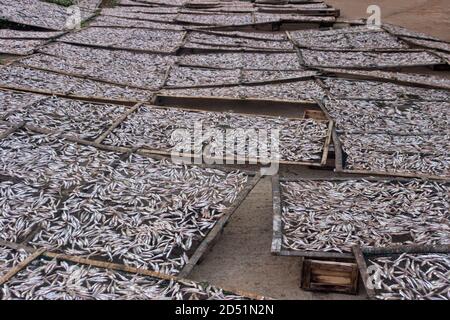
{"points": [[330, 276]]}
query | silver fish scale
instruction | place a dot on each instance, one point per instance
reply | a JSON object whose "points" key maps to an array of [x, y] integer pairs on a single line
{"points": [[110, 21], [9, 258], [61, 280], [407, 77], [23, 206], [300, 140], [361, 59], [128, 38], [81, 119], [412, 276], [335, 215], [347, 38], [292, 91], [144, 213], [19, 47], [215, 39], [38, 13], [352, 89], [32, 79], [48, 159], [264, 61], [5, 126], [12, 101]]}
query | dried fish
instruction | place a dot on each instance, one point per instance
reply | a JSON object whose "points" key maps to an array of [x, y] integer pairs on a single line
{"points": [[61, 280], [261, 17], [291, 91], [77, 118], [19, 47], [38, 13], [363, 59], [235, 41], [414, 78], [401, 31], [232, 19], [18, 77], [430, 44], [255, 76], [189, 76], [142, 212], [110, 21], [362, 89], [118, 72], [20, 34], [127, 38], [13, 101], [48, 159], [137, 15], [334, 215], [400, 117], [10, 258], [408, 276], [259, 61], [23, 206], [346, 38], [300, 140]]}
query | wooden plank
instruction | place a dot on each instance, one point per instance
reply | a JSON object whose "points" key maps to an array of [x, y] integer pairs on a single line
{"points": [[116, 123], [361, 262], [20, 266], [215, 232], [326, 146]]}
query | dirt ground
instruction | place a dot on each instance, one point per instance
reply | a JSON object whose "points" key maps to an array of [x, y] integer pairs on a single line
{"points": [[242, 259], [429, 16]]}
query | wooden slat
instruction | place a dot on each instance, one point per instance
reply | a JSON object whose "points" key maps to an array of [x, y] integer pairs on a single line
{"points": [[20, 266]]}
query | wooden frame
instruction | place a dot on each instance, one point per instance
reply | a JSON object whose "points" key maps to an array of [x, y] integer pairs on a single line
{"points": [[362, 254]]}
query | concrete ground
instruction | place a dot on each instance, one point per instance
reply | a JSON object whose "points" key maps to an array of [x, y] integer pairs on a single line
{"points": [[242, 259]]}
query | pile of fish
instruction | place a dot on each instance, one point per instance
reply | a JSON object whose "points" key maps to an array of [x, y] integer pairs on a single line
{"points": [[216, 19], [110, 21], [45, 279], [237, 42], [9, 258], [261, 17], [301, 140], [411, 276], [399, 136], [430, 44], [77, 118], [24, 78], [136, 39], [37, 13], [376, 90], [19, 47], [138, 15], [118, 67], [306, 90], [142, 212], [352, 38], [332, 216], [14, 101], [30, 35], [371, 60], [413, 78], [256, 61]]}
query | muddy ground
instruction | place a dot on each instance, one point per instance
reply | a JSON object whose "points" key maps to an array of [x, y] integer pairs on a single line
{"points": [[242, 259]]}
